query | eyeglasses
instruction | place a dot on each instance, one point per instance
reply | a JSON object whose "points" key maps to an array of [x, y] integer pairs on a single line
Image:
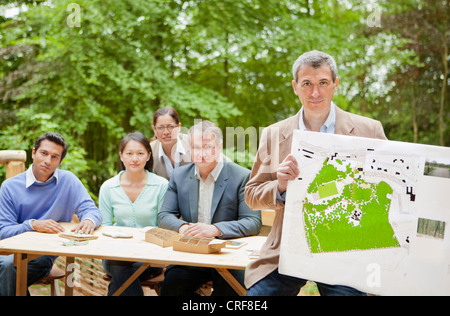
{"points": [[168, 127]]}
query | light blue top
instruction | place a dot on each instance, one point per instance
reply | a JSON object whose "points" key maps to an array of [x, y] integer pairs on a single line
{"points": [[118, 210], [328, 127]]}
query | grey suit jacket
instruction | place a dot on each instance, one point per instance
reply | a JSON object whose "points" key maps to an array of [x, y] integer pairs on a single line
{"points": [[229, 212], [261, 189]]}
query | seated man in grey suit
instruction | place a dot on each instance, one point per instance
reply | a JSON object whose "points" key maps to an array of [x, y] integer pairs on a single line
{"points": [[206, 199]]}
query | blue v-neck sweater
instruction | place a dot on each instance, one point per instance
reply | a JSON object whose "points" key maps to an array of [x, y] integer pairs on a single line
{"points": [[56, 199]]}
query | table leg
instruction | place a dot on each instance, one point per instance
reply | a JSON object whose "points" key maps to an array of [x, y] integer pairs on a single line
{"points": [[70, 271], [240, 290], [21, 263], [131, 279]]}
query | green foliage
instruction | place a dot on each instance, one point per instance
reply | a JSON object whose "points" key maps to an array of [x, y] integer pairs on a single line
{"points": [[227, 61]]}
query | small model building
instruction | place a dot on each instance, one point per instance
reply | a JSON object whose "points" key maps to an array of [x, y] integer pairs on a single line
{"points": [[199, 245], [161, 237]]}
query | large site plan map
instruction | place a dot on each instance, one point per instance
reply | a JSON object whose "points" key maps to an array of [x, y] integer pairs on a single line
{"points": [[344, 212], [366, 213]]}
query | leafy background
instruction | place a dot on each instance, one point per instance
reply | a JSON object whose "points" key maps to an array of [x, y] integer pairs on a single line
{"points": [[228, 61]]}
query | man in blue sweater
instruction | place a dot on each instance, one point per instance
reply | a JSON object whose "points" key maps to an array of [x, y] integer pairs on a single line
{"points": [[38, 199]]}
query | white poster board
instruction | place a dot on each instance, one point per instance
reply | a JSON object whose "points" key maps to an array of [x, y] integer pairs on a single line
{"points": [[370, 214]]}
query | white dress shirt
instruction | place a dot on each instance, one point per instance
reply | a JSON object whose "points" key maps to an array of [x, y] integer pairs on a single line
{"points": [[177, 158], [205, 192]]}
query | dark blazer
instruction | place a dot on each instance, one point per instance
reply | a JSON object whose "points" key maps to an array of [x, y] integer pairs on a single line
{"points": [[229, 212]]}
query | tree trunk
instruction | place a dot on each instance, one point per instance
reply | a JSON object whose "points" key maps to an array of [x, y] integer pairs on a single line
{"points": [[225, 68], [415, 126]]}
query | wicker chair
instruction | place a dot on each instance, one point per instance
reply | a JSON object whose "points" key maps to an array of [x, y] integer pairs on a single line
{"points": [[55, 274]]}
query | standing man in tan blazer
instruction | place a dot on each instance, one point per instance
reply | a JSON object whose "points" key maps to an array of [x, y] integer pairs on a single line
{"points": [[315, 82]]}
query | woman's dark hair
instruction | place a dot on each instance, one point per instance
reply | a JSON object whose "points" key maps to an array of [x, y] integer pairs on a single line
{"points": [[140, 138], [55, 138], [166, 110]]}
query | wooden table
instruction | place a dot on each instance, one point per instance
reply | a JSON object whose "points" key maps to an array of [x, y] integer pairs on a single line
{"points": [[31, 245]]}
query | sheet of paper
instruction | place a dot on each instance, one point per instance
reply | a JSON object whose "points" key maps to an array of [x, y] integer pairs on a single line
{"points": [[370, 214]]}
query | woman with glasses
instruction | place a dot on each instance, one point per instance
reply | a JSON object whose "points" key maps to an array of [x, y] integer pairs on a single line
{"points": [[171, 149]]}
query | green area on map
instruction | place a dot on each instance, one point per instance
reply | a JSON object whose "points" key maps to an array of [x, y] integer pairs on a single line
{"points": [[354, 217]]}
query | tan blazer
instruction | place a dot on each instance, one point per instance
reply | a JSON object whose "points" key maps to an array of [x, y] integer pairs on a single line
{"points": [[158, 163], [261, 189]]}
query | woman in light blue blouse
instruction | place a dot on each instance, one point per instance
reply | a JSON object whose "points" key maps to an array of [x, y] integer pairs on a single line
{"points": [[132, 199]]}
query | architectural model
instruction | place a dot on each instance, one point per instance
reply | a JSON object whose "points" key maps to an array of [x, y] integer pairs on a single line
{"points": [[199, 244], [161, 237]]}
